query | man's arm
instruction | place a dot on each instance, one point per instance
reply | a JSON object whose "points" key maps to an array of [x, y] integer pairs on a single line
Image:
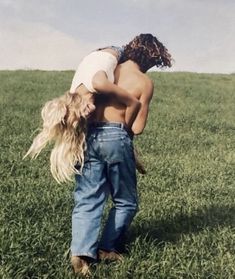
{"points": [[141, 118]]}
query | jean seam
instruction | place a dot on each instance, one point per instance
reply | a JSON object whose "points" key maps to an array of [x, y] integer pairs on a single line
{"points": [[79, 254]]}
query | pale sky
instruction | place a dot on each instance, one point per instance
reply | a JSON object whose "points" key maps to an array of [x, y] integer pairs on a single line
{"points": [[56, 34]]}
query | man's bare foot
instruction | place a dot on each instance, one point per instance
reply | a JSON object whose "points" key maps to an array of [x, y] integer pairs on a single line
{"points": [[80, 266], [109, 256]]}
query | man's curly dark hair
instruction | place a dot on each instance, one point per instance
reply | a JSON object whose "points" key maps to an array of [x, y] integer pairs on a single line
{"points": [[147, 51]]}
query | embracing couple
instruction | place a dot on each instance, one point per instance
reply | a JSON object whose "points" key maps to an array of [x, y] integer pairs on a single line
{"points": [[106, 106]]}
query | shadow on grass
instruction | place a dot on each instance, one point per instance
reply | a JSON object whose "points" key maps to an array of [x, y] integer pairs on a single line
{"points": [[172, 228]]}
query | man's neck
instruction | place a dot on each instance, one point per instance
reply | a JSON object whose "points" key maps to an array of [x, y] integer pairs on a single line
{"points": [[131, 64]]}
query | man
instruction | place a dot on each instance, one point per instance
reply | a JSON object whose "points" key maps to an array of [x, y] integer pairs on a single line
{"points": [[109, 167]]}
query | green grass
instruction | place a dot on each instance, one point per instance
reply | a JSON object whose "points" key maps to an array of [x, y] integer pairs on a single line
{"points": [[185, 226]]}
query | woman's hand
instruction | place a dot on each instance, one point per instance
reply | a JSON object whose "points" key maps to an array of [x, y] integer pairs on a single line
{"points": [[87, 109]]}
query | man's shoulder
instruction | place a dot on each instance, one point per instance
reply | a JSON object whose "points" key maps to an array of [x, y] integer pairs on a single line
{"points": [[146, 82]]}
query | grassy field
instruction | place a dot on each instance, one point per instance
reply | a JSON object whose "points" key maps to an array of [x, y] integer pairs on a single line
{"points": [[186, 224]]}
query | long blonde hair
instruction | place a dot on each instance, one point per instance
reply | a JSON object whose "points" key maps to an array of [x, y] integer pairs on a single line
{"points": [[64, 125]]}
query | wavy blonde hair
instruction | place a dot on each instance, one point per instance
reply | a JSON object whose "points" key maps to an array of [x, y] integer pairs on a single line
{"points": [[64, 125]]}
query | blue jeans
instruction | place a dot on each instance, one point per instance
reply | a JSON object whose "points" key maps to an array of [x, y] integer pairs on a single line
{"points": [[109, 169]]}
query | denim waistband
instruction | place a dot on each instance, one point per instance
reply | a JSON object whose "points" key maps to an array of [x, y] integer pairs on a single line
{"points": [[110, 125]]}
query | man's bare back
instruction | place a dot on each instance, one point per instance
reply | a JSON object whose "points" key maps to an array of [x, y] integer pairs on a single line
{"points": [[109, 109]]}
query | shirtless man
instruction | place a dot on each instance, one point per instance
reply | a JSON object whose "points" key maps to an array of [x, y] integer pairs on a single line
{"points": [[109, 167]]}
